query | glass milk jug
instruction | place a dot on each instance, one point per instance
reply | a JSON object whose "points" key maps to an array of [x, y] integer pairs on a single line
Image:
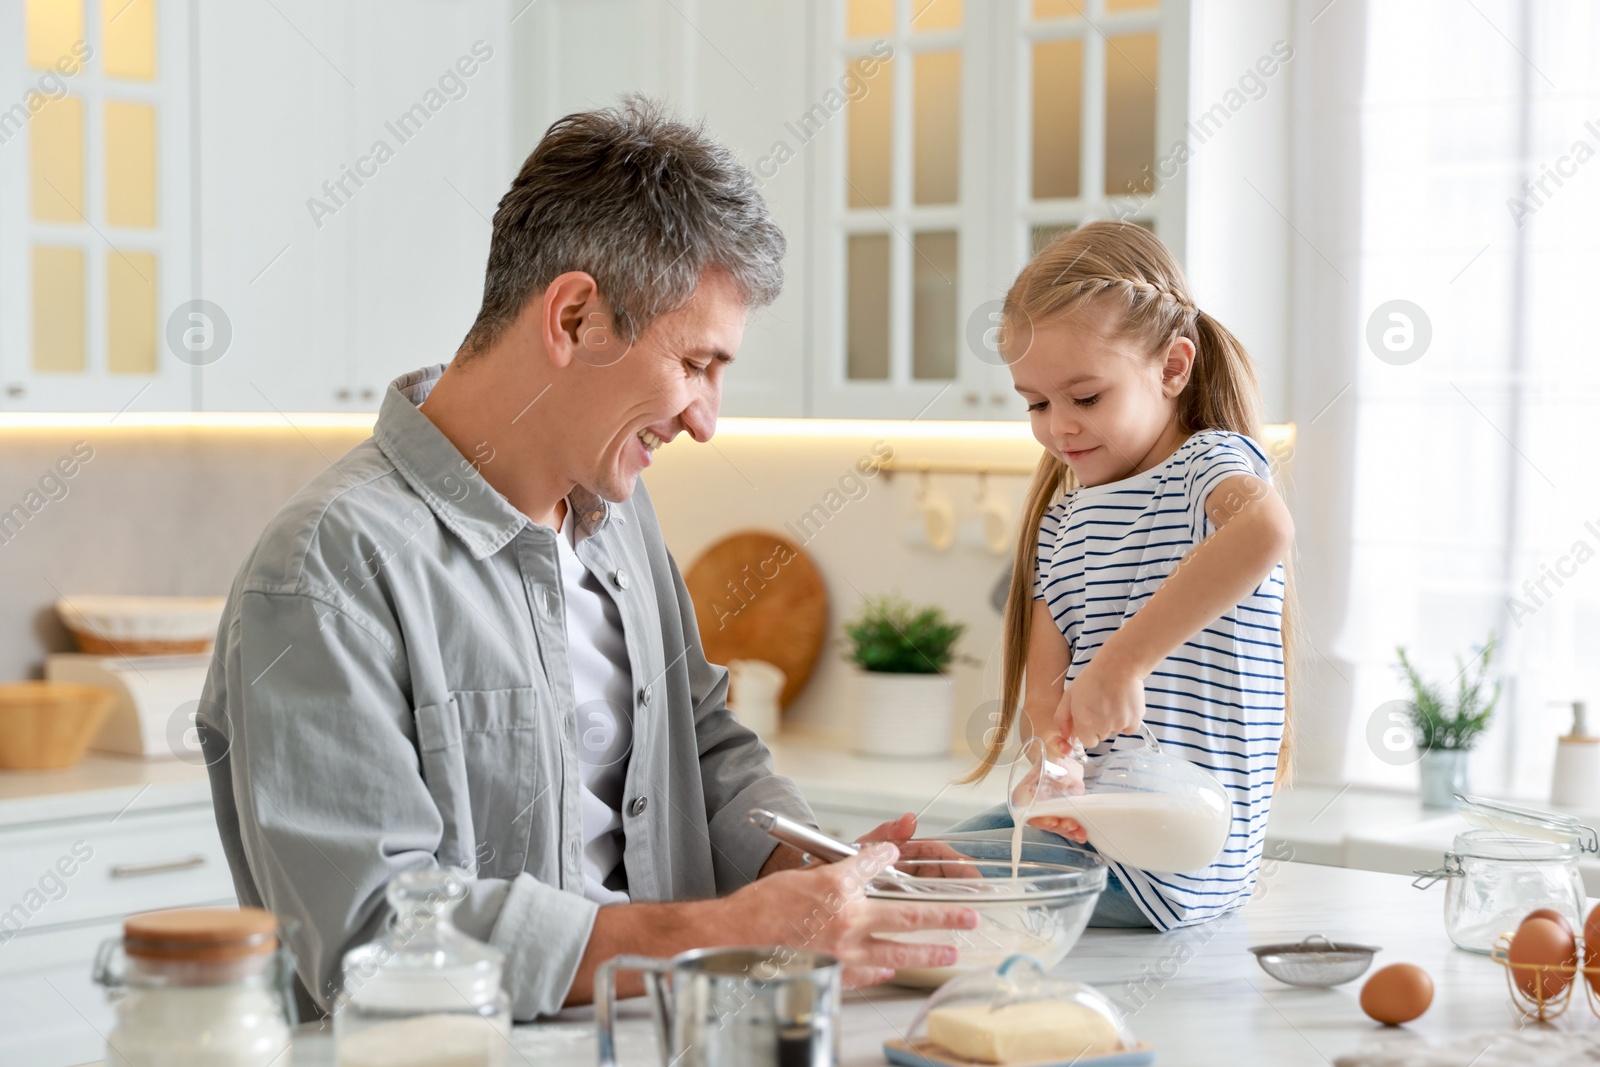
{"points": [[424, 993], [1142, 807], [198, 987]]}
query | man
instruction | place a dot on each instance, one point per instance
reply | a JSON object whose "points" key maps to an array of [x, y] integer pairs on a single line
{"points": [[466, 643]]}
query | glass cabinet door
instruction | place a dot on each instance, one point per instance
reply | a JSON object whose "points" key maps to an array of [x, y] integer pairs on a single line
{"points": [[973, 134], [94, 202]]}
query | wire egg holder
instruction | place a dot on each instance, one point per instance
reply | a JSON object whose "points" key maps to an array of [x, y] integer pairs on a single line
{"points": [[1539, 1004]]}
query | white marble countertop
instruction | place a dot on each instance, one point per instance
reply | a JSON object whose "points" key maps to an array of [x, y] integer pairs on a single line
{"points": [[1374, 830], [98, 784], [1196, 994]]}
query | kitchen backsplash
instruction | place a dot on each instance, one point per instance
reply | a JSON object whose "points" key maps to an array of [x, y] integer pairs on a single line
{"points": [[173, 509], [810, 488]]}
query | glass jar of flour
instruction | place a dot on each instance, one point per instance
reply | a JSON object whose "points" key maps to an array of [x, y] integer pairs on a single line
{"points": [[1515, 859], [423, 994], [198, 987]]}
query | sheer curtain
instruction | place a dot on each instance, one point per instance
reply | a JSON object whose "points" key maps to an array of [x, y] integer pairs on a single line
{"points": [[1448, 157]]}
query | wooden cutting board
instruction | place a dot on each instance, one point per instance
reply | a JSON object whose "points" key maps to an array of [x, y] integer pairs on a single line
{"points": [[757, 595]]}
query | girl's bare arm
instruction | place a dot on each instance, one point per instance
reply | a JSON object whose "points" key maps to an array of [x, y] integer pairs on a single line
{"points": [[1049, 655], [1253, 534]]}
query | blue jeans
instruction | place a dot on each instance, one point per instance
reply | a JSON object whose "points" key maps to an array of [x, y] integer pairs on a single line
{"points": [[1114, 909]]}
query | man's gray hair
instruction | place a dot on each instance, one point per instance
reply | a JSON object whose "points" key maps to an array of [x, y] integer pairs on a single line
{"points": [[644, 203]]}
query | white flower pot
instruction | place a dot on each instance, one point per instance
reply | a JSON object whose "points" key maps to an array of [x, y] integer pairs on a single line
{"points": [[907, 716], [1444, 774]]}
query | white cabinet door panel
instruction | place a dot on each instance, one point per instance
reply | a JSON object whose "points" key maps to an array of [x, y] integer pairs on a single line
{"points": [[738, 67], [347, 163], [54, 1016], [440, 102], [75, 871], [274, 99]]}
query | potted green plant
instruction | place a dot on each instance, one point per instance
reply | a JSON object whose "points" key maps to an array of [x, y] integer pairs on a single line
{"points": [[904, 697], [1445, 727]]}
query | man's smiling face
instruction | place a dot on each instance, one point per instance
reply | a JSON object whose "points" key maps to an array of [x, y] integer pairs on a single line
{"points": [[630, 400]]}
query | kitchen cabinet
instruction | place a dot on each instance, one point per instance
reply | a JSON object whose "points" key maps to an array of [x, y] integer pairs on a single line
{"points": [[96, 191], [332, 170], [79, 850], [325, 175], [367, 178], [898, 149], [739, 67]]}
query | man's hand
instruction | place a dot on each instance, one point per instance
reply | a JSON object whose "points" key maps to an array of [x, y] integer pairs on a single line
{"points": [[824, 908], [896, 832]]}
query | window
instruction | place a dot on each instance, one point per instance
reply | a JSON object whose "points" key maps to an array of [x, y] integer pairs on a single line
{"points": [[926, 208], [1462, 406], [96, 124]]}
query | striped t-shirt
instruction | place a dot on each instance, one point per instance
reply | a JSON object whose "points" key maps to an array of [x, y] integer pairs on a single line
{"points": [[1218, 700]]}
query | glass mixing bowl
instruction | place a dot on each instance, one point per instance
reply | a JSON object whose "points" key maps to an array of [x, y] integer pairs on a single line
{"points": [[1039, 911]]}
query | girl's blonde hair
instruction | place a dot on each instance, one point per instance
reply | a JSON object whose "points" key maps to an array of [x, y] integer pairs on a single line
{"points": [[1125, 277]]}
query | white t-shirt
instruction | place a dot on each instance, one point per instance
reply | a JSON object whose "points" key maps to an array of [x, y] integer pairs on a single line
{"points": [[1218, 700], [602, 685]]}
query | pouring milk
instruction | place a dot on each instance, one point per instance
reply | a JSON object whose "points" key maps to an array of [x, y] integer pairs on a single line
{"points": [[1140, 807]]}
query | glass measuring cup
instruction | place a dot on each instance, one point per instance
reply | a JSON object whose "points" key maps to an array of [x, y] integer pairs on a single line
{"points": [[1142, 807]]}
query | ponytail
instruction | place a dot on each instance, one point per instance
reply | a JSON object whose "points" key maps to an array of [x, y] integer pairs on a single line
{"points": [[1049, 479], [1222, 393]]}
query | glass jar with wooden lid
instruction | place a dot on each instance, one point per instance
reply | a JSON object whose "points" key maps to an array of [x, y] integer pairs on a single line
{"points": [[195, 986]]}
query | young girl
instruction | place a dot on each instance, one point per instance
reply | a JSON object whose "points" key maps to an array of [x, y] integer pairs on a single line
{"points": [[1149, 572]]}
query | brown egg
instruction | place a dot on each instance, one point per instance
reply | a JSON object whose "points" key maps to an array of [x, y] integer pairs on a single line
{"points": [[1553, 915], [1541, 942], [1591, 946], [1397, 994]]}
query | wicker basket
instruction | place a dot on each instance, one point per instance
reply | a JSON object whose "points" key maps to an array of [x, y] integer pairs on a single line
{"points": [[101, 646], [48, 725], [141, 625]]}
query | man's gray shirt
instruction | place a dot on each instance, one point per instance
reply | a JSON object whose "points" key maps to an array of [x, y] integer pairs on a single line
{"points": [[390, 689]]}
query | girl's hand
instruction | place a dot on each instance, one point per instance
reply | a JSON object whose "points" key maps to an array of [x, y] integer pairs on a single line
{"points": [[1100, 703], [1064, 827], [1058, 750]]}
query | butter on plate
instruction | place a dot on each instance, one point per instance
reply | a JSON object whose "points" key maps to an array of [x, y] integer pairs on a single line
{"points": [[1031, 1032]]}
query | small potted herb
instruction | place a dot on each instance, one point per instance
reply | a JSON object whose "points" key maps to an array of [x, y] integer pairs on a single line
{"points": [[904, 697], [1446, 728]]}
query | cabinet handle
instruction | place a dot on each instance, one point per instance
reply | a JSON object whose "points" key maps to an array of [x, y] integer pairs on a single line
{"points": [[341, 394], [139, 870], [16, 390], [971, 398]]}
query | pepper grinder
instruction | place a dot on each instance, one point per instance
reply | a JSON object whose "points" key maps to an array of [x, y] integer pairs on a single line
{"points": [[1576, 782]]}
